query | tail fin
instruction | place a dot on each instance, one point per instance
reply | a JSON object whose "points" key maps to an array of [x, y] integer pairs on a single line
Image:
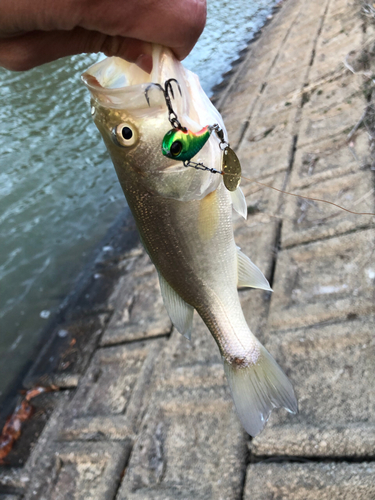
{"points": [[258, 389]]}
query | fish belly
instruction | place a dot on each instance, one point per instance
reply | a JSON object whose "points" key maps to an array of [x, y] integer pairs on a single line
{"points": [[198, 262], [196, 255]]}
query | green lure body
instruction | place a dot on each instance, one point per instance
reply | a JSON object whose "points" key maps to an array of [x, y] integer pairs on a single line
{"points": [[183, 146]]}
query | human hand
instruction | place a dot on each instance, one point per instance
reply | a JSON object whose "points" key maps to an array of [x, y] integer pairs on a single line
{"points": [[33, 32]]}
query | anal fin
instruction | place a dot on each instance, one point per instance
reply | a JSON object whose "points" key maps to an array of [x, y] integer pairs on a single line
{"points": [[179, 311]]}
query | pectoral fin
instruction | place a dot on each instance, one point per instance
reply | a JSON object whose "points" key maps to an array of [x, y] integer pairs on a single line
{"points": [[239, 202], [179, 311], [249, 275]]}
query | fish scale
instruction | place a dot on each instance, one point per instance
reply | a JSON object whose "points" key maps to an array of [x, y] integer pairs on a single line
{"points": [[184, 217]]}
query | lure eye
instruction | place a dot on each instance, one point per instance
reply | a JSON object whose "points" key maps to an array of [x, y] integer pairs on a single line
{"points": [[124, 135], [176, 148]]}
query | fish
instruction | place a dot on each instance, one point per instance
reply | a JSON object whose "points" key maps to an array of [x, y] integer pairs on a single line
{"points": [[184, 218]]}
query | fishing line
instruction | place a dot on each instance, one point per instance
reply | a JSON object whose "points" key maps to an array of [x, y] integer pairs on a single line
{"points": [[305, 197], [200, 166], [182, 145]]}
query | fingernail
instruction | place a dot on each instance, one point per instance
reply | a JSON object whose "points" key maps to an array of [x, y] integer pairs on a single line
{"points": [[144, 61]]}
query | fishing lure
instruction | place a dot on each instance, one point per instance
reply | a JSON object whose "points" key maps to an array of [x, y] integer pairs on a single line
{"points": [[181, 144]]}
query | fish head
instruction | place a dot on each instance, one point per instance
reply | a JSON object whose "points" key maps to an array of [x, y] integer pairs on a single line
{"points": [[128, 107]]}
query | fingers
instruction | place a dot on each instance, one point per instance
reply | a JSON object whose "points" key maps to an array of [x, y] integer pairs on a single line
{"points": [[174, 23], [33, 49], [22, 16]]}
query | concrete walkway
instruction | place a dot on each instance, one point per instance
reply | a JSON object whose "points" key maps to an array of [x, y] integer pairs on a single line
{"points": [[143, 414]]}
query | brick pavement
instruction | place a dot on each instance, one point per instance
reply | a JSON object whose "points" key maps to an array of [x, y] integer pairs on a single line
{"points": [[147, 414]]}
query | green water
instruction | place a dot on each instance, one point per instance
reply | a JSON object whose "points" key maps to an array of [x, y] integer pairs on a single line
{"points": [[58, 190]]}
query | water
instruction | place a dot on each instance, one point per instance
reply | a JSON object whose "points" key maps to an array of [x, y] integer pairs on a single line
{"points": [[58, 189]]}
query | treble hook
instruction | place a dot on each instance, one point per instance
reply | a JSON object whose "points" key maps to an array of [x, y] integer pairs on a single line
{"points": [[168, 85], [168, 89]]}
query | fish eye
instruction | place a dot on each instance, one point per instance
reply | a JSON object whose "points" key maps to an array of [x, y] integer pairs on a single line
{"points": [[124, 135], [176, 148], [127, 133]]}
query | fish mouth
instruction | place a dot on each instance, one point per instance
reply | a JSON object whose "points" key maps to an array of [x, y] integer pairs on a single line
{"points": [[114, 81]]}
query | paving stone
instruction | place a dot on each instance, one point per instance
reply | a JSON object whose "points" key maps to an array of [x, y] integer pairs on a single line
{"points": [[302, 32], [89, 471], [181, 356], [73, 470], [262, 57], [255, 72], [112, 397], [294, 61], [236, 116], [332, 369], [191, 445], [281, 87], [306, 220], [235, 126], [263, 202], [180, 353], [329, 159], [235, 105], [270, 105], [235, 113], [265, 157], [258, 239], [295, 56], [337, 118], [274, 125], [344, 88], [281, 29], [309, 481], [341, 32], [170, 395], [139, 309], [321, 440], [324, 280], [266, 148], [248, 79]]}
